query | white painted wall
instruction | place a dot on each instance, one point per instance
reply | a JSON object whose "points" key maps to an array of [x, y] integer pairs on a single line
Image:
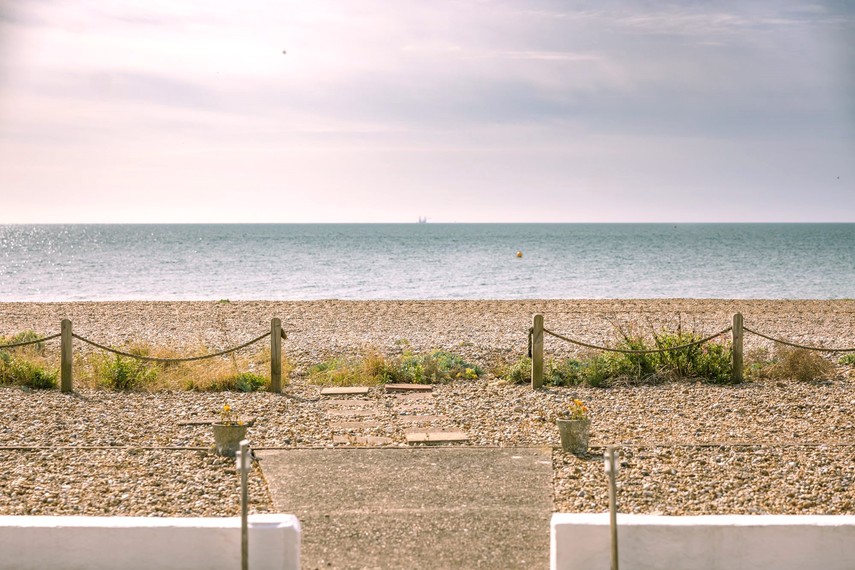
{"points": [[143, 543], [726, 542]]}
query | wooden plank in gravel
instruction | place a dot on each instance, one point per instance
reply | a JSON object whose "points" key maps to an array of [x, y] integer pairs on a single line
{"points": [[361, 440], [352, 412], [436, 437], [344, 390], [355, 425], [408, 388]]}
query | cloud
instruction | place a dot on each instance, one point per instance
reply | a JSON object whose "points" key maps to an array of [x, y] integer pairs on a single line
{"points": [[442, 97]]}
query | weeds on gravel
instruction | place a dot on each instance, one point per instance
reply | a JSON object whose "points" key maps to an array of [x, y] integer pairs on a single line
{"points": [[229, 373], [709, 362], [847, 359], [26, 366], [793, 364], [374, 368]]}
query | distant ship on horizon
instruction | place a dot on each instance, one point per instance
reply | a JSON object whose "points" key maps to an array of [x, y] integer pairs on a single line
{"points": [[422, 220]]}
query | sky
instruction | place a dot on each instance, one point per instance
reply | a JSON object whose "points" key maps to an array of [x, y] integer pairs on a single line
{"points": [[460, 111]]}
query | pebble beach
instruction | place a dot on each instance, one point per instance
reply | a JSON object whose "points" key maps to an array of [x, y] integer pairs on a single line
{"points": [[782, 447]]}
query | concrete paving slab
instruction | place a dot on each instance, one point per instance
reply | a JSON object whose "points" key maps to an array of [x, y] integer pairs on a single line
{"points": [[416, 508], [435, 437], [361, 440], [408, 388], [355, 425], [344, 390], [353, 412], [351, 403], [413, 396], [417, 419]]}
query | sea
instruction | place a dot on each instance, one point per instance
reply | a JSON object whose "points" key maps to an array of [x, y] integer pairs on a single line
{"points": [[425, 261]]}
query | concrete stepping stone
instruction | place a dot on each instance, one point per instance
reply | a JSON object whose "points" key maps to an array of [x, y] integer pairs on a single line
{"points": [[418, 404], [344, 390], [352, 403], [416, 419], [355, 425], [351, 412], [209, 421], [413, 396], [435, 437], [408, 388], [361, 440]]}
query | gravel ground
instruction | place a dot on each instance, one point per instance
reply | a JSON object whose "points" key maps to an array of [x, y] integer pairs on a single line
{"points": [[765, 447]]}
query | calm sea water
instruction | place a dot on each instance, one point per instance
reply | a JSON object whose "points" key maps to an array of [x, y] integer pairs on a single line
{"points": [[426, 261]]}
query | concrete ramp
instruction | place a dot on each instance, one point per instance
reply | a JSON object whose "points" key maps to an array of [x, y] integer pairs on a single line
{"points": [[417, 508]]}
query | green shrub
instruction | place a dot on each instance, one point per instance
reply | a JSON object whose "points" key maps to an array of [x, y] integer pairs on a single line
{"points": [[124, 373], [26, 374], [565, 372], [709, 362], [517, 372], [374, 368], [847, 359], [25, 336], [249, 382], [435, 367]]}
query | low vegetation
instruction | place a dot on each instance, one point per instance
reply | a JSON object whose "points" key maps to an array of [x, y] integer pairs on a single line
{"points": [[226, 373], [375, 368], [790, 363], [709, 362], [26, 366], [34, 367]]}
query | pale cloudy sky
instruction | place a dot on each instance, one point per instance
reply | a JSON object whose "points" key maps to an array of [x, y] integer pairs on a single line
{"points": [[386, 110]]}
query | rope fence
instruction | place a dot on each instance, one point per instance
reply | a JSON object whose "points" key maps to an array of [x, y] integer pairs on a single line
{"points": [[170, 360], [535, 349], [737, 330], [646, 351], [795, 345], [66, 336], [27, 342]]}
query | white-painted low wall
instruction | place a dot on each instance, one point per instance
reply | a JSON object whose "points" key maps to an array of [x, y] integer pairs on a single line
{"points": [[726, 542], [131, 543]]}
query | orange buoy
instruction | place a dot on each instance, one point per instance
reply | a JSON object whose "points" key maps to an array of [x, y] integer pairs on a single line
{"points": [[519, 254]]}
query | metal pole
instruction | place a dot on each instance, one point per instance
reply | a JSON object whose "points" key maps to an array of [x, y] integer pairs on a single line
{"points": [[243, 465], [611, 470]]}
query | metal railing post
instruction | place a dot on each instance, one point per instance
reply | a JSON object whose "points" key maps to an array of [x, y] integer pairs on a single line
{"points": [[611, 471], [243, 465]]}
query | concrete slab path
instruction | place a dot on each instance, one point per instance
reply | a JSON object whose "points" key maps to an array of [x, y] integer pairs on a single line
{"points": [[416, 508]]}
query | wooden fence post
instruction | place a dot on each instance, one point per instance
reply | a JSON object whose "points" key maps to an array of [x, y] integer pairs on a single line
{"points": [[537, 353], [736, 374], [65, 385], [275, 355]]}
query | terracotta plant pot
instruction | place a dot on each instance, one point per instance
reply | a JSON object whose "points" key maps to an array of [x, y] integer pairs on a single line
{"points": [[227, 438], [574, 435]]}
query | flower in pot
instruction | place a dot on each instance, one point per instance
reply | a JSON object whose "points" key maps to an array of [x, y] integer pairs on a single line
{"points": [[228, 432], [574, 426]]}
